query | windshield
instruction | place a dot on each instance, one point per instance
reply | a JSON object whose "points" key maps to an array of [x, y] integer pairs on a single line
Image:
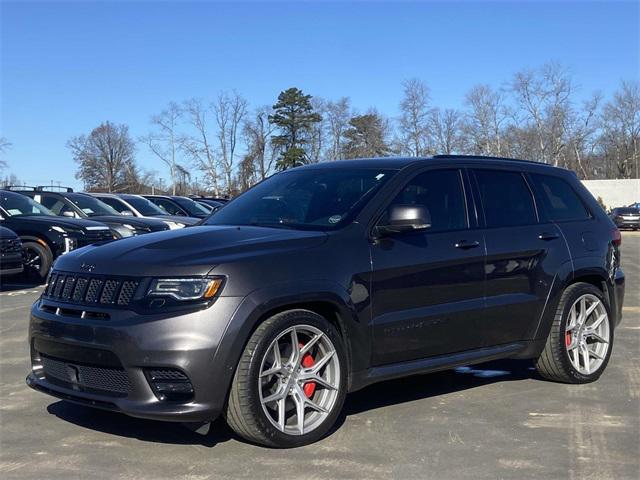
{"points": [[17, 205], [627, 211], [306, 199], [192, 208], [91, 206], [144, 206]]}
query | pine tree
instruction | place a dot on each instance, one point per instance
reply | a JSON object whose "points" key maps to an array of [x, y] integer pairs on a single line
{"points": [[294, 117]]}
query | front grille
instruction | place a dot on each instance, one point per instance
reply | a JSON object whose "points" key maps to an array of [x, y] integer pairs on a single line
{"points": [[86, 377], [94, 236], [84, 289], [10, 246]]}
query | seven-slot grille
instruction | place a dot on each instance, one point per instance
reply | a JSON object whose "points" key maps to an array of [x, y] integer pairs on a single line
{"points": [[84, 289]]}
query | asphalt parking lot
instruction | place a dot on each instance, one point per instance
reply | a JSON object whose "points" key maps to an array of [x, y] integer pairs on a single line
{"points": [[496, 420]]}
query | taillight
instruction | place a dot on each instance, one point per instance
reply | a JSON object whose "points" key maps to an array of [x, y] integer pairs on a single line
{"points": [[616, 237]]}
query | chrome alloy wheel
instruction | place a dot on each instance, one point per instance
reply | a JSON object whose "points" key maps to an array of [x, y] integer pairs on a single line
{"points": [[299, 379], [587, 334]]}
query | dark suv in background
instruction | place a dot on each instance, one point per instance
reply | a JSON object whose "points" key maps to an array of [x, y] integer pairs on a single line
{"points": [[44, 235], [81, 205], [326, 278], [626, 217]]}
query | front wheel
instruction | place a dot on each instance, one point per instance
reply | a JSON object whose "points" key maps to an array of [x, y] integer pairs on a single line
{"points": [[290, 384], [37, 260], [581, 338]]}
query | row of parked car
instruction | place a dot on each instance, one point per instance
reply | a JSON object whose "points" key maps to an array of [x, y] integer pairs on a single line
{"points": [[38, 224]]}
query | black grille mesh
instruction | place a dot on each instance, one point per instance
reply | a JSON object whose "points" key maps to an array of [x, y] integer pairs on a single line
{"points": [[96, 378], [92, 290]]}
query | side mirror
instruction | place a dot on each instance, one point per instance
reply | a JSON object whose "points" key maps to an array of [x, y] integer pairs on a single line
{"points": [[68, 213], [406, 218], [128, 213]]}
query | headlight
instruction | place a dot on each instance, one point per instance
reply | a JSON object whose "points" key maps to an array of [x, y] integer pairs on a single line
{"points": [[186, 288], [174, 225], [70, 244]]}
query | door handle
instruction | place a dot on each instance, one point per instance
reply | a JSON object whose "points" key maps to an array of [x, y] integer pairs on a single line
{"points": [[465, 244], [548, 236]]}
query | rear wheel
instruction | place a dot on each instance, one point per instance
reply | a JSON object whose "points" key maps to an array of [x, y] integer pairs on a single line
{"points": [[37, 260], [290, 383], [581, 337]]}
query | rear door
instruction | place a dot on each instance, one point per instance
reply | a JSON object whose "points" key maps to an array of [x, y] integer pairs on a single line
{"points": [[524, 252], [427, 286]]}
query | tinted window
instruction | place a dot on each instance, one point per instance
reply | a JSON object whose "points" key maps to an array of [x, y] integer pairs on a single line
{"points": [[559, 200], [113, 203], [144, 206], [91, 206], [506, 198], [441, 192], [627, 211], [168, 206]]}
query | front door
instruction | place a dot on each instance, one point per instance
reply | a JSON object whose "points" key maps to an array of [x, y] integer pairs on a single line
{"points": [[427, 286]]}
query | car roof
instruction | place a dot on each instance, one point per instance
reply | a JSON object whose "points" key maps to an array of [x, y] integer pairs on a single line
{"points": [[401, 162]]}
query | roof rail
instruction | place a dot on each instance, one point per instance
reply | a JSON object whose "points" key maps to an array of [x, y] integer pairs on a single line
{"points": [[17, 188], [49, 188], [490, 157]]}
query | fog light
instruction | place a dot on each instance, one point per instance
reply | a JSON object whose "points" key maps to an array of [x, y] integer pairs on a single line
{"points": [[170, 384]]}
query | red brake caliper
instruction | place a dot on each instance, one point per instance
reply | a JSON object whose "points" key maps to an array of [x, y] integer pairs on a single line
{"points": [[567, 339], [308, 361]]}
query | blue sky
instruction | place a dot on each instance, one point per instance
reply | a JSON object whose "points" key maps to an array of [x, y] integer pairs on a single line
{"points": [[66, 67]]}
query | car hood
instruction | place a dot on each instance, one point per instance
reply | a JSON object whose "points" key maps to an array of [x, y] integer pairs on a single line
{"points": [[50, 220], [188, 251]]}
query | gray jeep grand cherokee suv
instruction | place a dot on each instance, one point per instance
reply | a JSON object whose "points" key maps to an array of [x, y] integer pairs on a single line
{"points": [[327, 278]]}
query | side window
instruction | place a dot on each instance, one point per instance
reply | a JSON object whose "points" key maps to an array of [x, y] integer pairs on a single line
{"points": [[112, 202], [51, 202], [560, 201], [168, 206], [442, 193], [506, 198]]}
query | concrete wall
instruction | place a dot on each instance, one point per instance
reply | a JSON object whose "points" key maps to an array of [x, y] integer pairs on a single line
{"points": [[615, 193]]}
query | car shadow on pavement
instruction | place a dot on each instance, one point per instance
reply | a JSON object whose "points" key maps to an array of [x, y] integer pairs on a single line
{"points": [[376, 396], [428, 385], [146, 430], [11, 285]]}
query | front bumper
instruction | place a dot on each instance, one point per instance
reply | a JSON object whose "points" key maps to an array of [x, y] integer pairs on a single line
{"points": [[188, 342], [622, 223]]}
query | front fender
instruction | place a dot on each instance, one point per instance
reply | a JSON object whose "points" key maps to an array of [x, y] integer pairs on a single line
{"points": [[262, 303]]}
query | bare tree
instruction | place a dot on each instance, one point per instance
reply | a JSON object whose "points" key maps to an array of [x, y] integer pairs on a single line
{"points": [[582, 134], [105, 157], [4, 146], [230, 110], [318, 131], [484, 121], [337, 115], [544, 97], [165, 142], [445, 130], [414, 117], [621, 130], [200, 147], [257, 132]]}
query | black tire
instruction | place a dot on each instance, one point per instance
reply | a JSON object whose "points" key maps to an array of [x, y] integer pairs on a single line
{"points": [[40, 271], [554, 363], [244, 413]]}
